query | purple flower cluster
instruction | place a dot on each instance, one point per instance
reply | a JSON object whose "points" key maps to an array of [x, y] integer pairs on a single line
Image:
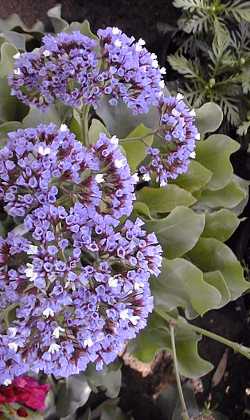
{"points": [[63, 68], [75, 287], [177, 135], [77, 70], [48, 165], [131, 72]]}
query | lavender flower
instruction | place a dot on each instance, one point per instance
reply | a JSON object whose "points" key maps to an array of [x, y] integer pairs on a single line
{"points": [[131, 73], [77, 70], [177, 135], [80, 289], [47, 165], [63, 68]]}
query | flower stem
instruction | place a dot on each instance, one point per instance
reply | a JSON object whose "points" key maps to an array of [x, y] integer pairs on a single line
{"points": [[185, 415], [85, 123], [236, 347], [141, 138]]}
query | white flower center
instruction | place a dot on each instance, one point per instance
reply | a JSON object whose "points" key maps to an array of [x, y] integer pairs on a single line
{"points": [[54, 348], [48, 312]]}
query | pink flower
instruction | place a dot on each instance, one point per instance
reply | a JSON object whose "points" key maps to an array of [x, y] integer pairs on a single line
{"points": [[26, 391]]}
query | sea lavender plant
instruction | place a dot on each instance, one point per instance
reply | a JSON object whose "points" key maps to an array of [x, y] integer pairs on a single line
{"points": [[78, 282], [75, 272]]}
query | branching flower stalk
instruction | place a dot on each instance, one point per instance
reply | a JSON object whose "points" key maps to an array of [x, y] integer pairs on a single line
{"points": [[236, 347], [184, 414]]}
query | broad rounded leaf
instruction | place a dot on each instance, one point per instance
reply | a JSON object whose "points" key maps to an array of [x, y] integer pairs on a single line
{"points": [[136, 149], [16, 39], [108, 379], [82, 27], [179, 231], [196, 178], [59, 24], [209, 118], [120, 120], [165, 199], [35, 117], [244, 185], [141, 210], [214, 154], [216, 279], [95, 130], [181, 284], [72, 394], [5, 128], [220, 224], [10, 108], [7, 60], [210, 255], [229, 196], [156, 337]]}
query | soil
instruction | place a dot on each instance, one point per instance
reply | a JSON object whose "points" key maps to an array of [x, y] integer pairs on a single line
{"points": [[230, 395]]}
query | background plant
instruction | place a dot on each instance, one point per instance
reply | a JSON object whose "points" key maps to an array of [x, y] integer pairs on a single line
{"points": [[213, 56]]}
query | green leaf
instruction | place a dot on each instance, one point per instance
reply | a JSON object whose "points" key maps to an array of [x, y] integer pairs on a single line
{"points": [[165, 199], [229, 196], [136, 149], [156, 337], [179, 231], [244, 185], [243, 128], [196, 178], [35, 117], [108, 379], [6, 64], [95, 130], [214, 154], [72, 393], [181, 284], [5, 128], [59, 24], [16, 39], [141, 210], [209, 254], [216, 279], [209, 118], [10, 108], [184, 66], [220, 224], [83, 27], [120, 120], [76, 126]]}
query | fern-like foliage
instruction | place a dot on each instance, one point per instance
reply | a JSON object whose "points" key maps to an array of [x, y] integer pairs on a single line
{"points": [[214, 60], [243, 128]]}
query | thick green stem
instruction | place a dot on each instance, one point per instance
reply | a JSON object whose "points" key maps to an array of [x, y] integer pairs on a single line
{"points": [[185, 415], [85, 123], [236, 347]]}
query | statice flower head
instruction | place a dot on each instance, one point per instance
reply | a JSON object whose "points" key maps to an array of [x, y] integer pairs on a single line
{"points": [[47, 164], [78, 70], [63, 69], [177, 136], [80, 291], [131, 73]]}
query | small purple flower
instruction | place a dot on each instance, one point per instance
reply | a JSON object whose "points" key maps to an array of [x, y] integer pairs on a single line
{"points": [[70, 312], [98, 177], [178, 134], [77, 70]]}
